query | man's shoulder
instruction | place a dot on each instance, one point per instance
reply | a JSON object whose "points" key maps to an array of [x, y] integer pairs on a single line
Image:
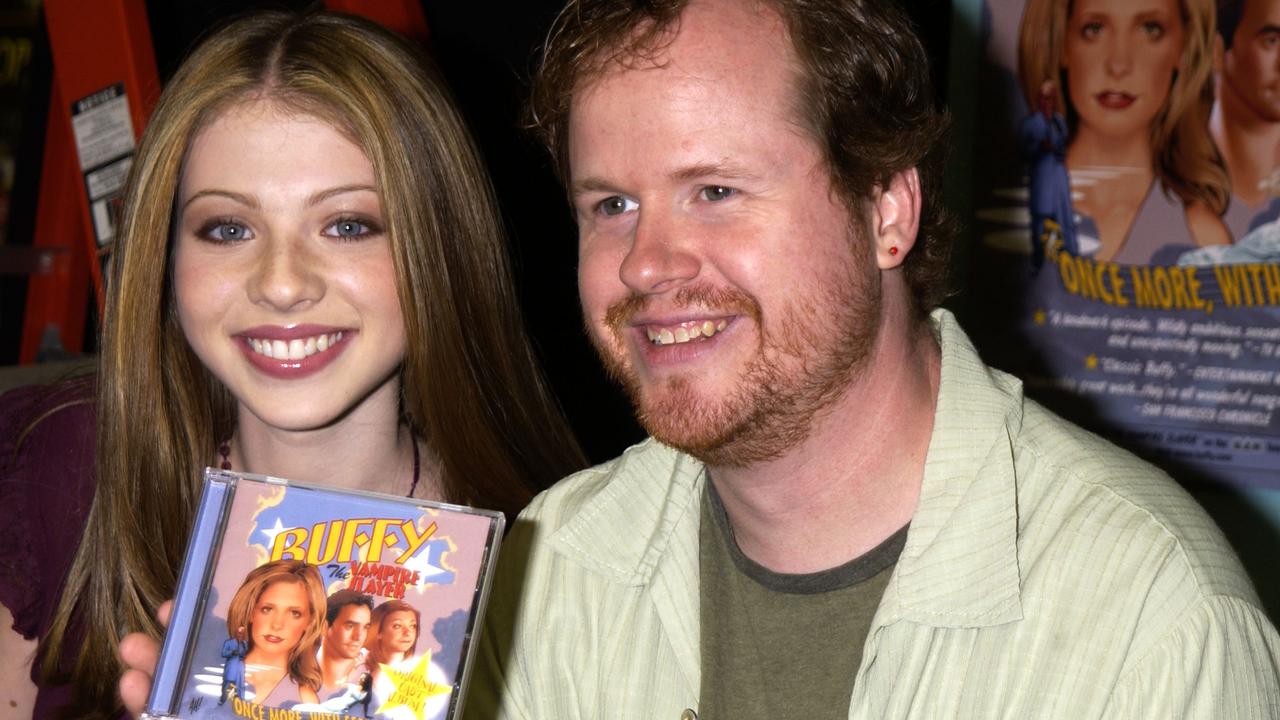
{"points": [[640, 472], [1078, 489]]}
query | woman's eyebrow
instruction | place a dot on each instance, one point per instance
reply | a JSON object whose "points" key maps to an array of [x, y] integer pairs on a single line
{"points": [[247, 200], [322, 195]]}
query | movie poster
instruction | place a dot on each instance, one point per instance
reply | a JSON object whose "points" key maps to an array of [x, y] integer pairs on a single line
{"points": [[302, 603], [1126, 225]]}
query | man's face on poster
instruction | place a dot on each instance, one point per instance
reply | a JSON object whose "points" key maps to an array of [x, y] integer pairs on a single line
{"points": [[1251, 68], [346, 635]]}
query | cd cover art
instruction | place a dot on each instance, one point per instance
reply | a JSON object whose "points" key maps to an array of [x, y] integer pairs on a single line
{"points": [[298, 602]]}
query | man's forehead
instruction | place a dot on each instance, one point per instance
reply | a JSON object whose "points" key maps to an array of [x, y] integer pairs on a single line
{"points": [[352, 610], [708, 36]]}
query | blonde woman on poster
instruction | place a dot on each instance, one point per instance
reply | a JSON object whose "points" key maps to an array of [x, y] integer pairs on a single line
{"points": [[282, 606], [1135, 79]]}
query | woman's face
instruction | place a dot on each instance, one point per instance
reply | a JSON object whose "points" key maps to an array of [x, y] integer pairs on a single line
{"points": [[399, 631], [280, 617], [283, 272], [1120, 61]]}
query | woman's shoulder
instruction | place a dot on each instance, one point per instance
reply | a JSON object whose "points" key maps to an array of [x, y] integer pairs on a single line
{"points": [[46, 488], [1206, 227], [46, 429]]}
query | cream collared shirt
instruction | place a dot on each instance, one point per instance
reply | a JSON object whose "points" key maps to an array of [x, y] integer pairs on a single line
{"points": [[1046, 574]]}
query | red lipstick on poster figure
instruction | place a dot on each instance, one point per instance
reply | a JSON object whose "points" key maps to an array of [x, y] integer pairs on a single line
{"points": [[1115, 100]]}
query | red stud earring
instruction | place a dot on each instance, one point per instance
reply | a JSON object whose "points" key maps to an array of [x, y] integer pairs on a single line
{"points": [[893, 249]]}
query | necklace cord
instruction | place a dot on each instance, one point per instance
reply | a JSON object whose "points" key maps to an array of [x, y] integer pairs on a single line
{"points": [[224, 449]]}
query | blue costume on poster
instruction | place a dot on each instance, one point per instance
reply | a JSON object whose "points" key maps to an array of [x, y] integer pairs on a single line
{"points": [[233, 651], [1043, 137]]}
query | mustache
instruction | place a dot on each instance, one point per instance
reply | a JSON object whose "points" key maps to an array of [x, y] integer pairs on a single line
{"points": [[727, 301]]}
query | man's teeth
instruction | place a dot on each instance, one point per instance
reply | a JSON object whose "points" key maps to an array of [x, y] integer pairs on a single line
{"points": [[295, 349], [685, 333]]}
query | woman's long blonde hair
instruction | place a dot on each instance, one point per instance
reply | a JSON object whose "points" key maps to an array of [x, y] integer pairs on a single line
{"points": [[1184, 157], [470, 384], [303, 668]]}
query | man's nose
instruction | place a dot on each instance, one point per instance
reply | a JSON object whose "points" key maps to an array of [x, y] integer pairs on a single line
{"points": [[662, 255], [287, 276]]}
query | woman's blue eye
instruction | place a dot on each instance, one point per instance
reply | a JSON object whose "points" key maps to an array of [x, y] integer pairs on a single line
{"points": [[1153, 29], [226, 231], [350, 228], [716, 193], [617, 205]]}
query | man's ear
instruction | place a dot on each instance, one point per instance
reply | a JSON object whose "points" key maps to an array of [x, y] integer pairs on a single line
{"points": [[895, 218]]}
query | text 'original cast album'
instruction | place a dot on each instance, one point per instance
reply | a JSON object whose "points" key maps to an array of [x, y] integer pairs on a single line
{"points": [[298, 602]]}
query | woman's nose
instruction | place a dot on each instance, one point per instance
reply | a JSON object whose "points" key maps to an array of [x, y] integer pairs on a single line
{"points": [[287, 276], [1119, 58]]}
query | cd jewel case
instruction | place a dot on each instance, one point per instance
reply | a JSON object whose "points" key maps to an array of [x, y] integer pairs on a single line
{"points": [[300, 602]]}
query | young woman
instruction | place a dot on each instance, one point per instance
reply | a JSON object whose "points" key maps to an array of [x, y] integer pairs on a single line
{"points": [[394, 635], [281, 604], [310, 282], [1135, 78]]}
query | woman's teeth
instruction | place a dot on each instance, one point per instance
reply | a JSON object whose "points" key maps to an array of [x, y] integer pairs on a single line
{"points": [[685, 333], [295, 349]]}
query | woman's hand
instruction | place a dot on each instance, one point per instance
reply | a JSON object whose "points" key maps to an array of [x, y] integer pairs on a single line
{"points": [[139, 653]]}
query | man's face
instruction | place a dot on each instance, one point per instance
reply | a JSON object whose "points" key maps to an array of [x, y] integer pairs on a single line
{"points": [[1251, 68], [722, 279], [346, 635]]}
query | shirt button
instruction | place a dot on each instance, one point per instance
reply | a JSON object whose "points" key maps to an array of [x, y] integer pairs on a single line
{"points": [[688, 715]]}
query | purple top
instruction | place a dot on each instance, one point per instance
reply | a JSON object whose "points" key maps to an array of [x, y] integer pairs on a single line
{"points": [[46, 488]]}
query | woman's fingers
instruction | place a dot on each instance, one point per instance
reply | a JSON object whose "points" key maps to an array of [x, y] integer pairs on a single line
{"points": [[140, 652]]}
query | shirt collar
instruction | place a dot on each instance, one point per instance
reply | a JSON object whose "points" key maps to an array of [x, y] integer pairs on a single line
{"points": [[960, 564], [624, 530]]}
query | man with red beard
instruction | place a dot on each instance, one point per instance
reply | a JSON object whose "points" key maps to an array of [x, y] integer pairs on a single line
{"points": [[842, 512]]}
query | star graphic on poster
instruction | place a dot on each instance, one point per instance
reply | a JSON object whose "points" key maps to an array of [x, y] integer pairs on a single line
{"points": [[1039, 317], [1091, 362], [272, 532], [421, 562], [412, 689]]}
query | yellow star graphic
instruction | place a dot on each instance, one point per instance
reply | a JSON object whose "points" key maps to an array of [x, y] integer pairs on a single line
{"points": [[1039, 317], [412, 689], [1091, 361]]}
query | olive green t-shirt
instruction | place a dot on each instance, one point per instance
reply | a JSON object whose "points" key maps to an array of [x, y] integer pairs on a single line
{"points": [[776, 645]]}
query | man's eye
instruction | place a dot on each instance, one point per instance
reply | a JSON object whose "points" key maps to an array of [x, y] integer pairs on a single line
{"points": [[225, 231], [351, 228], [617, 205], [716, 193]]}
